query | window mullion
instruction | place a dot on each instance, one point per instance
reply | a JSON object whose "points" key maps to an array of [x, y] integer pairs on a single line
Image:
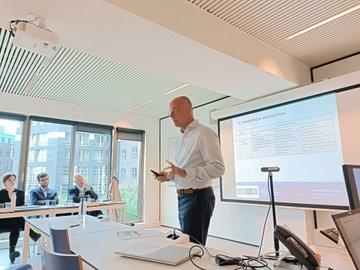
{"points": [[24, 153], [72, 156]]}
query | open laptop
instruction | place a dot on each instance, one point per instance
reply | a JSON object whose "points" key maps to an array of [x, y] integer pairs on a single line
{"points": [[171, 255], [348, 224]]}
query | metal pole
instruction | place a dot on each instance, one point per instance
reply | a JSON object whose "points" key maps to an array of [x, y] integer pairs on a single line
{"points": [[272, 198]]}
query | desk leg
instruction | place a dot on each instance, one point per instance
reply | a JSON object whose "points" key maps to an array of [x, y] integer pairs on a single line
{"points": [[122, 214], [26, 243]]}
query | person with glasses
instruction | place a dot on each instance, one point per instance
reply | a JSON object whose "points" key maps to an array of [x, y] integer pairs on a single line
{"points": [[13, 225], [198, 161]]}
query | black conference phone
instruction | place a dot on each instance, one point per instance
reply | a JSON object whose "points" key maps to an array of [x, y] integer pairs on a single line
{"points": [[297, 247]]}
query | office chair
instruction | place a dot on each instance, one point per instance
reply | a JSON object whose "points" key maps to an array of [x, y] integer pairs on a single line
{"points": [[24, 267], [56, 261], [60, 241]]}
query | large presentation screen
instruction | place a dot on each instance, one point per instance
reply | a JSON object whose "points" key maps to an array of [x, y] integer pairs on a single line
{"points": [[302, 138]]}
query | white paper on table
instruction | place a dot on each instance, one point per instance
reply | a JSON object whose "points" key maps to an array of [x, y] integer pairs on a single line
{"points": [[135, 234]]}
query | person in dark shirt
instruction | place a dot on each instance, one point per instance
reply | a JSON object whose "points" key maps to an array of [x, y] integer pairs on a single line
{"points": [[38, 196], [13, 225], [80, 190]]}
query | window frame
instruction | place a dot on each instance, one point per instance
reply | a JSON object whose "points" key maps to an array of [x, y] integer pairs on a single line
{"points": [[76, 126], [115, 133], [23, 148]]}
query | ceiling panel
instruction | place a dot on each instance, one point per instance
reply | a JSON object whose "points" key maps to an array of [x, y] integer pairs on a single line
{"points": [[83, 79], [273, 21]]}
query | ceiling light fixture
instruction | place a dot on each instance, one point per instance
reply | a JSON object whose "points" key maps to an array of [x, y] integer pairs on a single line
{"points": [[142, 104], [171, 91], [341, 14]]}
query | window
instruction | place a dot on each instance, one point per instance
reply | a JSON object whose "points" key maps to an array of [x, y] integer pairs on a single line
{"points": [[41, 155], [10, 145], [52, 156], [134, 172], [100, 140], [83, 155], [123, 174], [33, 139], [82, 139], [131, 185], [98, 156], [134, 152], [43, 139], [81, 170], [31, 156], [123, 154], [93, 157]]}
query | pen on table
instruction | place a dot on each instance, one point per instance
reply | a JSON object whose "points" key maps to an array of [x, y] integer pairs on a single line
{"points": [[75, 225]]}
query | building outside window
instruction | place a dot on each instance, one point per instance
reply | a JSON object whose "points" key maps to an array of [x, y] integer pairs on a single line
{"points": [[134, 152], [134, 172], [41, 155], [123, 154], [123, 174], [10, 145], [93, 159], [49, 142], [132, 184], [43, 139]]}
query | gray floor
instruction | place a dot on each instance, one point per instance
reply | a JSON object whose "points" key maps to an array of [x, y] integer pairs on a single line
{"points": [[5, 264]]}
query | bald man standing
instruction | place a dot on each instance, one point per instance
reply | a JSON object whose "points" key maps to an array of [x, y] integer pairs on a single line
{"points": [[198, 161]]}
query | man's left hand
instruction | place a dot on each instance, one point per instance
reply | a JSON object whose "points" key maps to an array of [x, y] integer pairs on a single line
{"points": [[176, 170]]}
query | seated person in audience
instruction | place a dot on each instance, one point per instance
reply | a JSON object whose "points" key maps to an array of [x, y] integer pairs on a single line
{"points": [[13, 225], [80, 190], [38, 196]]}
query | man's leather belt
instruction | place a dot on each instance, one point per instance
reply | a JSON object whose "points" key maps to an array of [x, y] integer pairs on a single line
{"points": [[190, 191]]}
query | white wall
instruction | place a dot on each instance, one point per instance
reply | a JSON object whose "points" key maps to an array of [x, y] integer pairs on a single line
{"points": [[243, 222], [337, 68], [30, 106]]}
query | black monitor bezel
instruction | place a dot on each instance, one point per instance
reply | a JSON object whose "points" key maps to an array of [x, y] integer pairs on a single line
{"points": [[351, 187]]}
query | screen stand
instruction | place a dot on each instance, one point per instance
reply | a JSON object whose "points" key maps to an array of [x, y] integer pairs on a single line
{"points": [[272, 199]]}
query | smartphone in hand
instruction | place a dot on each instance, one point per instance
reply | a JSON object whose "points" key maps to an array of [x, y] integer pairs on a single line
{"points": [[156, 173]]}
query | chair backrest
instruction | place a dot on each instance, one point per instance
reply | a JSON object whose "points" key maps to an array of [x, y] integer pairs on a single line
{"points": [[56, 261], [24, 267], [60, 241]]}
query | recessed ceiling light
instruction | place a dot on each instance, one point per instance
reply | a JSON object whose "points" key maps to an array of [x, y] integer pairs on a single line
{"points": [[171, 91], [341, 14], [138, 106]]}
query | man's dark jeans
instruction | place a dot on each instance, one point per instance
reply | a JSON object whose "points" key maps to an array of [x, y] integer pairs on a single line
{"points": [[195, 212]]}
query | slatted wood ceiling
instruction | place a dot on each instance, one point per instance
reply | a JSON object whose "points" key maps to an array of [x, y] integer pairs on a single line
{"points": [[82, 79], [271, 21]]}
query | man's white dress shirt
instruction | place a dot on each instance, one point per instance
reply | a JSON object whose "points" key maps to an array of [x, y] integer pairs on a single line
{"points": [[198, 152]]}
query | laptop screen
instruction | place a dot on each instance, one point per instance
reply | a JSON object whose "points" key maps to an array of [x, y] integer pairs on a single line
{"points": [[349, 228]]}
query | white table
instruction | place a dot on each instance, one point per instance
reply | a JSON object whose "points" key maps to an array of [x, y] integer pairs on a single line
{"points": [[51, 211], [97, 241], [26, 211]]}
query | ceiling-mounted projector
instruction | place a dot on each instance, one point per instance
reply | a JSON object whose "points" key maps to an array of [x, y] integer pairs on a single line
{"points": [[32, 37]]}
